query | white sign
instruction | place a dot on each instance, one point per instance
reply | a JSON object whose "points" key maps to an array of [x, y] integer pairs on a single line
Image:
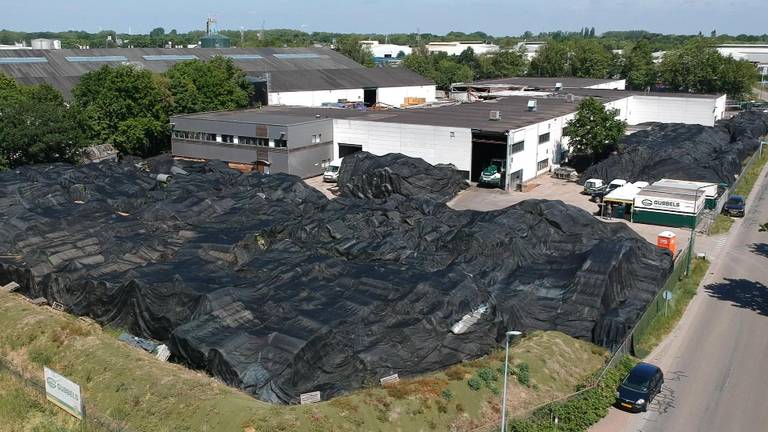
{"points": [[63, 393], [667, 295], [310, 398], [669, 204], [392, 379]]}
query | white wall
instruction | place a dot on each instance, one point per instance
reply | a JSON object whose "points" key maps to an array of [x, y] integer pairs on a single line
{"points": [[314, 98], [613, 85], [456, 48], [395, 96], [690, 110], [431, 143], [528, 159]]}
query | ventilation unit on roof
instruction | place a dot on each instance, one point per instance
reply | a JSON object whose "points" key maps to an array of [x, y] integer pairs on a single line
{"points": [[532, 105], [569, 98], [495, 115], [558, 86]]}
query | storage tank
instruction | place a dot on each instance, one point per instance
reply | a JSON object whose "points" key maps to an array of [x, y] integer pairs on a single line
{"points": [[214, 41], [45, 44]]}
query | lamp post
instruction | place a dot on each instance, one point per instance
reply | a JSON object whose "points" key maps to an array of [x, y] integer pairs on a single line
{"points": [[693, 229], [506, 375]]}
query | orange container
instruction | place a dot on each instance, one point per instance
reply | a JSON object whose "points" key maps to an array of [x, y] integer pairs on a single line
{"points": [[667, 240]]}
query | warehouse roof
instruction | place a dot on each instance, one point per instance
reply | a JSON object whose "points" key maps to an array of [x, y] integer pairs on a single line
{"points": [[549, 83], [63, 68]]}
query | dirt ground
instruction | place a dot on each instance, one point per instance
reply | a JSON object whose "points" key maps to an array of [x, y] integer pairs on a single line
{"points": [[319, 184]]}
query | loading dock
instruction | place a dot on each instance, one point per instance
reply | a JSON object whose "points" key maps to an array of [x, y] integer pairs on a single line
{"points": [[487, 146], [348, 149]]}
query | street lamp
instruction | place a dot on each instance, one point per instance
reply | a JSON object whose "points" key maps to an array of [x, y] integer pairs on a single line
{"points": [[506, 374]]}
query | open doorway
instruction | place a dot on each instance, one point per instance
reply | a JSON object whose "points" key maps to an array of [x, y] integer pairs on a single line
{"points": [[348, 149], [370, 96], [487, 147]]}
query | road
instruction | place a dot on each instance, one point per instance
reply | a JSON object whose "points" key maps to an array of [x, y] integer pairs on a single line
{"points": [[716, 359]]}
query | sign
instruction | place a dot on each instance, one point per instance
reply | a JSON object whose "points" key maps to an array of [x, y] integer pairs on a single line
{"points": [[63, 393], [162, 353], [310, 398], [392, 379], [667, 295], [669, 204]]}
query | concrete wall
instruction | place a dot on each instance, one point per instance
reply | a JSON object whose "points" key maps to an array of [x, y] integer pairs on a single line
{"points": [[395, 96], [314, 98], [432, 143], [665, 109], [533, 152], [300, 135]]}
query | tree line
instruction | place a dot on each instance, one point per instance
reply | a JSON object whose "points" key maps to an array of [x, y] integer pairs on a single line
{"points": [[121, 105]]}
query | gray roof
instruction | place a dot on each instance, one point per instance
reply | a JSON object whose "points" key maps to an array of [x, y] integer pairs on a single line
{"points": [[54, 67], [548, 83], [331, 79]]}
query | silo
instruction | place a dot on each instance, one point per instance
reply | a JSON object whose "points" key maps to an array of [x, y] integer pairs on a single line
{"points": [[45, 44]]}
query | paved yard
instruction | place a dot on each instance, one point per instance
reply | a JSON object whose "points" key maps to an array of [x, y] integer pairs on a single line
{"points": [[319, 184]]}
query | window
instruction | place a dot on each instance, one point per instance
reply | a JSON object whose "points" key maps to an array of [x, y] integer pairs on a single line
{"points": [[95, 59], [297, 56], [317, 139], [281, 143], [207, 136], [542, 165], [261, 142], [543, 138], [517, 147], [19, 60], [169, 57], [244, 56], [228, 139]]}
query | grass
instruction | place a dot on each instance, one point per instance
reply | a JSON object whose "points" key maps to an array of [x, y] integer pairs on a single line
{"points": [[144, 394], [662, 324], [721, 225], [748, 179]]}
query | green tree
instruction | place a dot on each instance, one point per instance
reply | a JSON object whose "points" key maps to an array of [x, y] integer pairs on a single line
{"points": [[157, 32], [37, 126], [208, 86], [590, 59], [503, 64], [699, 67], [448, 72], [114, 98], [420, 61], [350, 47], [594, 129], [469, 59], [638, 67], [550, 61]]}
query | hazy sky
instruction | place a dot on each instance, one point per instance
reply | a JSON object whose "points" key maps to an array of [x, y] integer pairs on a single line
{"points": [[497, 17]]}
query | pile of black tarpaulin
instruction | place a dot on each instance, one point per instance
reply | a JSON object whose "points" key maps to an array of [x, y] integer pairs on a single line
{"points": [[268, 285], [685, 152]]}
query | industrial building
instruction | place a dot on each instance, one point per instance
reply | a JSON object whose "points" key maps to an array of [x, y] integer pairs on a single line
{"points": [[527, 86], [456, 48], [293, 76], [524, 132], [753, 53]]}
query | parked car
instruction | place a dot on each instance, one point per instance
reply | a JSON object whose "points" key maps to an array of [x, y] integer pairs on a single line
{"points": [[605, 190], [565, 173], [331, 173], [492, 175], [640, 387], [735, 206], [592, 185]]}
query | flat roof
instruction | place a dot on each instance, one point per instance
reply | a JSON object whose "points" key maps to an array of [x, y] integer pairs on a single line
{"points": [[545, 82]]}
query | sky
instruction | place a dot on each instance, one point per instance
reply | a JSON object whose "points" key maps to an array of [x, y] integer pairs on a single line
{"points": [[496, 17]]}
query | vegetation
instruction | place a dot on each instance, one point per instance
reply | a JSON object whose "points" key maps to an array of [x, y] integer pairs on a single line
{"points": [[698, 67], [350, 47], [37, 126], [638, 67], [749, 177], [144, 394], [213, 85], [594, 129], [662, 323], [580, 412], [721, 225]]}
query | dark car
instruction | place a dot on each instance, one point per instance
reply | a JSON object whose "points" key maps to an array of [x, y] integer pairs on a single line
{"points": [[639, 388], [734, 206]]}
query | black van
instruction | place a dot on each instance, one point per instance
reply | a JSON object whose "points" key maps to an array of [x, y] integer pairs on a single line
{"points": [[639, 388]]}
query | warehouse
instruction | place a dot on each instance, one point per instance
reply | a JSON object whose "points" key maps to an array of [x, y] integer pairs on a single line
{"points": [[295, 76], [524, 134]]}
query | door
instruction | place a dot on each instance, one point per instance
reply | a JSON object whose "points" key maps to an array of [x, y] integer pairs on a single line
{"points": [[370, 96], [515, 179]]}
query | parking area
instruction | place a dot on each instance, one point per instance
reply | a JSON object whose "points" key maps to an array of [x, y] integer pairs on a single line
{"points": [[549, 188]]}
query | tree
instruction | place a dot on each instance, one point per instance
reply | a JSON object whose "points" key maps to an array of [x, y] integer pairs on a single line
{"points": [[157, 32], [448, 72], [638, 67], [208, 86], [469, 59], [37, 126], [502, 64], [699, 67], [351, 47], [550, 61], [594, 129], [590, 59], [420, 61], [114, 98]]}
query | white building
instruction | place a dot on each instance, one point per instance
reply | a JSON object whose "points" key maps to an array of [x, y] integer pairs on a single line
{"points": [[526, 132], [45, 44], [754, 53], [456, 48], [531, 48], [381, 50]]}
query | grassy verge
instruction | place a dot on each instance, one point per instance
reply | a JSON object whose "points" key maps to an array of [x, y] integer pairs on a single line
{"points": [[146, 395], [580, 412], [749, 178], [684, 291], [721, 225]]}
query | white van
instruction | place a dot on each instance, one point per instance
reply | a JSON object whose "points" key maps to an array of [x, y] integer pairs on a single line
{"points": [[331, 173]]}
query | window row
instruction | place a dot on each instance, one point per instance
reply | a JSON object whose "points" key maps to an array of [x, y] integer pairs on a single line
{"points": [[230, 139]]}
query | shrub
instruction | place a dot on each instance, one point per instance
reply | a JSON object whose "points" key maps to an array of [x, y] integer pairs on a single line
{"points": [[447, 394], [522, 371], [40, 356], [456, 373], [475, 383], [493, 388], [487, 375]]}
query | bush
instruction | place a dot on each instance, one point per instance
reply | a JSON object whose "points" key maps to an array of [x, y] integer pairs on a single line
{"points": [[493, 388], [447, 394], [456, 373], [487, 375], [475, 383], [522, 371]]}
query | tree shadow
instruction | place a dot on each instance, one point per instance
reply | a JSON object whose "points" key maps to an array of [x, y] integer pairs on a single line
{"points": [[759, 249], [742, 293]]}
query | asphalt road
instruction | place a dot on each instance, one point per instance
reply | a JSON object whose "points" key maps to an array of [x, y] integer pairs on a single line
{"points": [[716, 360]]}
